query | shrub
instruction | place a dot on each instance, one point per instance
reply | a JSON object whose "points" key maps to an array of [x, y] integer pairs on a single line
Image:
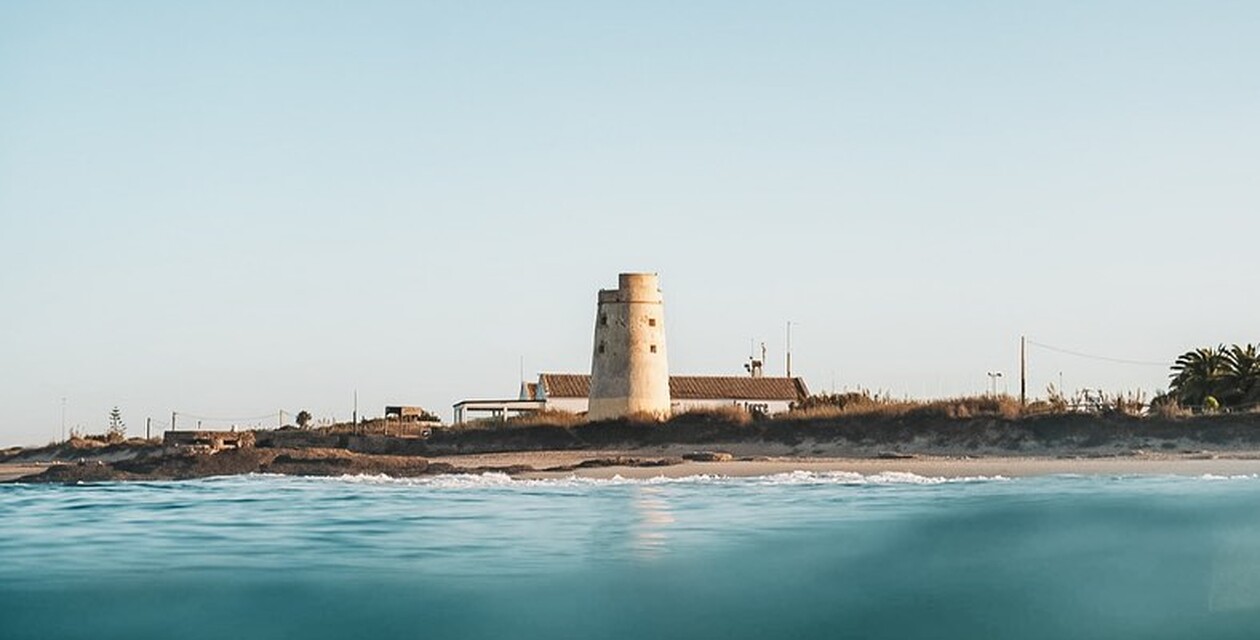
{"points": [[728, 414], [549, 417], [1169, 407], [864, 403]]}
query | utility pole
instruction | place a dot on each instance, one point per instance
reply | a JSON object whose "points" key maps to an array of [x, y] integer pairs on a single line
{"points": [[1023, 371], [148, 428], [172, 421], [354, 416]]}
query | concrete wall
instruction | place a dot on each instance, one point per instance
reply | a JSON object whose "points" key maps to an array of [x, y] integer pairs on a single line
{"points": [[769, 407], [629, 365]]}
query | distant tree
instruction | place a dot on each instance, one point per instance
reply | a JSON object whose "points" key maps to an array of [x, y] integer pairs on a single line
{"points": [[1217, 377], [117, 431], [1242, 374], [303, 418], [1198, 374]]}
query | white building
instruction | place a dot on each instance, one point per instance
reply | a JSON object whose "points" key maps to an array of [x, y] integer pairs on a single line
{"points": [[630, 370], [571, 392]]}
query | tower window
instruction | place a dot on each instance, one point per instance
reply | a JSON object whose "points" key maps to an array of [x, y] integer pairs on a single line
{"points": [[601, 347], [653, 347], [651, 322], [603, 320]]}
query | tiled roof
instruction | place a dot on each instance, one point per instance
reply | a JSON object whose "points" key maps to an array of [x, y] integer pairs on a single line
{"points": [[570, 385], [735, 388], [565, 385]]}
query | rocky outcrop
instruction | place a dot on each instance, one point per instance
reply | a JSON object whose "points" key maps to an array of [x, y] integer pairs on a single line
{"points": [[708, 456], [186, 465]]}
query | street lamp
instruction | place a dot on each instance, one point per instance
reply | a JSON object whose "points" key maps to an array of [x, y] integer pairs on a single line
{"points": [[993, 378]]}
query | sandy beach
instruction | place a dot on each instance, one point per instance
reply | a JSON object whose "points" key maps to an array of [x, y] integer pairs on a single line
{"points": [[639, 464], [10, 471]]}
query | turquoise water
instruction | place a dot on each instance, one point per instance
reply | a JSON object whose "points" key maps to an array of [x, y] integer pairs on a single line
{"points": [[790, 556]]}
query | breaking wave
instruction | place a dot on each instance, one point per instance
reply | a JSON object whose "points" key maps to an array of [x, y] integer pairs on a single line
{"points": [[495, 479]]}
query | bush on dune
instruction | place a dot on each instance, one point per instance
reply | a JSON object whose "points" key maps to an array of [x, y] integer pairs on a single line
{"points": [[866, 404]]}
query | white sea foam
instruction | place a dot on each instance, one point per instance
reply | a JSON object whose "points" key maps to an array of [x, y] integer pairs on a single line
{"points": [[853, 478], [496, 479], [1213, 476]]}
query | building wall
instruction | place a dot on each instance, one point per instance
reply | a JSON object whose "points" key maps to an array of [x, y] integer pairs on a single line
{"points": [[572, 405], [768, 407], [629, 364]]}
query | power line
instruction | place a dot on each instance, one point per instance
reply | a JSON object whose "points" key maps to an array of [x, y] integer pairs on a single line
{"points": [[1090, 356], [209, 419]]}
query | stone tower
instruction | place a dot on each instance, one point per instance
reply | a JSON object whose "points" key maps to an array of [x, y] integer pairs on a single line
{"points": [[629, 368]]}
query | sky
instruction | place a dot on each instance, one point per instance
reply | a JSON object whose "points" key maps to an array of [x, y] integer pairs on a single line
{"points": [[230, 209]]}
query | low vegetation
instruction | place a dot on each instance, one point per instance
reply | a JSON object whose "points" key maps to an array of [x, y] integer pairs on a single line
{"points": [[553, 417], [865, 403], [731, 414]]}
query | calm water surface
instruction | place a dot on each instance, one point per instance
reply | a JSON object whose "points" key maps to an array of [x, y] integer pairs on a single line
{"points": [[791, 556]]}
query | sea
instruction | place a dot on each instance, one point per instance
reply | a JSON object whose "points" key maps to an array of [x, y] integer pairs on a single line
{"points": [[798, 555]]}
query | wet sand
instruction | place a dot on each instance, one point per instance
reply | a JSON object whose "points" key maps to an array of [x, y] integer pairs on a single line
{"points": [[15, 471]]}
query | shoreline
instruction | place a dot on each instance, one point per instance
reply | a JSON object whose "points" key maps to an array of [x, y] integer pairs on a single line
{"points": [[15, 471], [1229, 463], [930, 467], [635, 465], [923, 443]]}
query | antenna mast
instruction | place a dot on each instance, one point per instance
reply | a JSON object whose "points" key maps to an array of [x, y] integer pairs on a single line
{"points": [[789, 349], [1023, 371]]}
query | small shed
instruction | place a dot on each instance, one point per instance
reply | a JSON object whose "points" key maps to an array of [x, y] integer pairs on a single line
{"points": [[404, 413], [211, 441]]}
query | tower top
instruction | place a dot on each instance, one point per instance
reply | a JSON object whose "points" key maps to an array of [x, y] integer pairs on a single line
{"points": [[633, 287]]}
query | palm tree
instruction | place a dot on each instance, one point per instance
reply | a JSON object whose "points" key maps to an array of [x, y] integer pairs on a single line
{"points": [[1242, 373], [1198, 374]]}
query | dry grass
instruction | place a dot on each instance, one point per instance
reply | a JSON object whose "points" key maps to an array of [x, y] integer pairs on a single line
{"points": [[730, 414], [377, 426], [645, 417], [1170, 409], [874, 405], [80, 441], [551, 417]]}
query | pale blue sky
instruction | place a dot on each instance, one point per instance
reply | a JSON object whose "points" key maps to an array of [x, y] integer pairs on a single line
{"points": [[231, 208]]}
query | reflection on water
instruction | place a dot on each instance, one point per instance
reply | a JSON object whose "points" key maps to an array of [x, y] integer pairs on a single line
{"points": [[650, 531]]}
